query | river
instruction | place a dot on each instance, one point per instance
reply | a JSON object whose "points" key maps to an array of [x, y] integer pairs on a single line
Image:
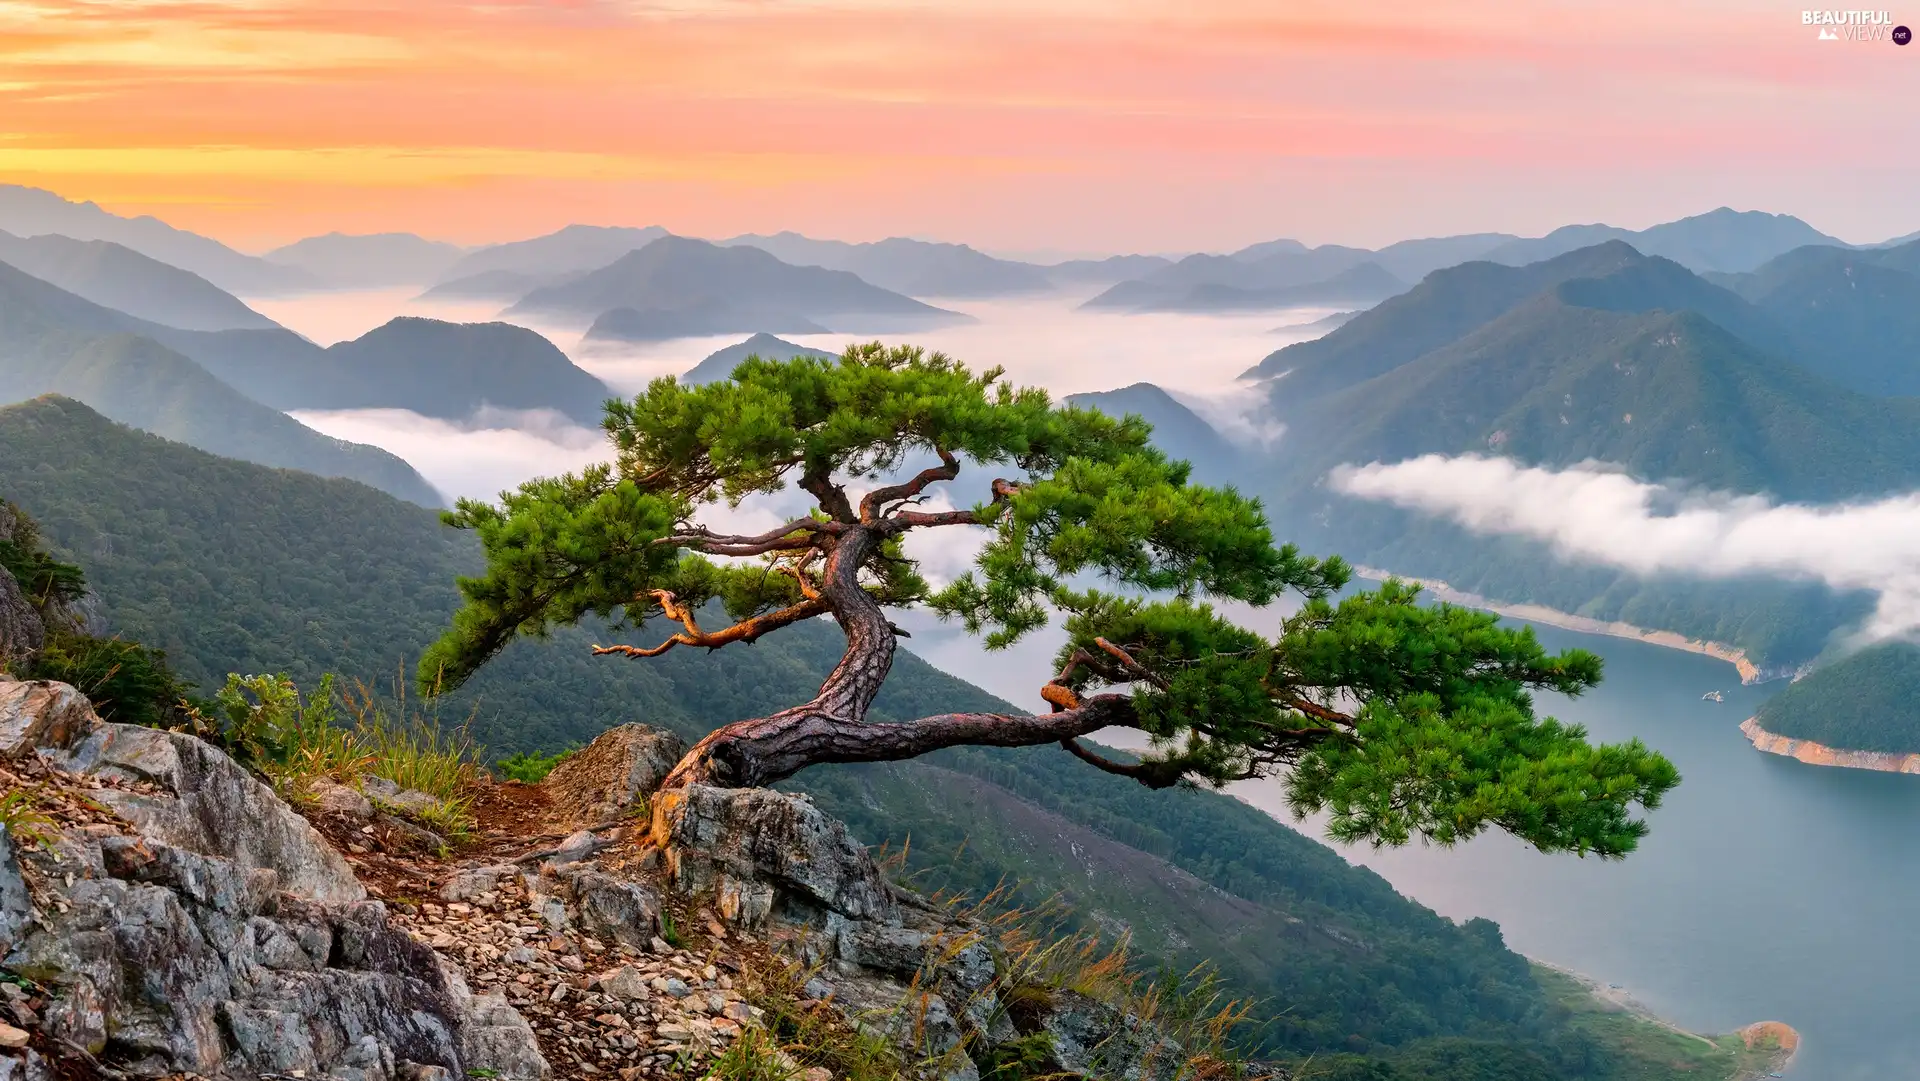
{"points": [[1768, 889]]}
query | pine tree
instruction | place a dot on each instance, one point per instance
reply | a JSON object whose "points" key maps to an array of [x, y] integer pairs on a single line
{"points": [[1398, 718]]}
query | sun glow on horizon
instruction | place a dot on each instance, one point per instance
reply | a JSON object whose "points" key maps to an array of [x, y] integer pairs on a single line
{"points": [[1132, 126]]}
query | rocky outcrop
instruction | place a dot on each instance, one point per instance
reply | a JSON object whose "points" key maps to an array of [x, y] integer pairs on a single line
{"points": [[207, 803], [39, 714], [614, 774], [21, 632], [170, 915], [195, 924], [760, 851]]}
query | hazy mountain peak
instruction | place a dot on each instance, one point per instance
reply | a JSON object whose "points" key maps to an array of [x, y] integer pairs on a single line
{"points": [[117, 277], [720, 364], [30, 212], [369, 259]]}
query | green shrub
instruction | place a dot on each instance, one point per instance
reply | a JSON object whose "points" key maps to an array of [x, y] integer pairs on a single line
{"points": [[127, 682], [530, 767]]}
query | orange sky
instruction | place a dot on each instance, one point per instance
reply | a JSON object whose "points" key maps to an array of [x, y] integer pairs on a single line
{"points": [[1074, 126]]}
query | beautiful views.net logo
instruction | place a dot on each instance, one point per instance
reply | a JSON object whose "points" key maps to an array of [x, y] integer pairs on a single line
{"points": [[1856, 26]]}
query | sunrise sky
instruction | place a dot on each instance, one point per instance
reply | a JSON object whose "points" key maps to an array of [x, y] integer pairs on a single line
{"points": [[1070, 126]]}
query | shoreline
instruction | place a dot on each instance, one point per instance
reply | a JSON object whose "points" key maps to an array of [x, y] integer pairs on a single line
{"points": [[1750, 673], [1819, 754], [1784, 1037]]}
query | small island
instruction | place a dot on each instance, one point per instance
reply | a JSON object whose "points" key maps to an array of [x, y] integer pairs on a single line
{"points": [[1861, 712], [1656, 1047]]}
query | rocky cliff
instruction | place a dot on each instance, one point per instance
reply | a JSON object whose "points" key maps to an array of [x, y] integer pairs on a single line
{"points": [[164, 913]]}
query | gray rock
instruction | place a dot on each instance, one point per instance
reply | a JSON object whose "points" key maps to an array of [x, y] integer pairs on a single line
{"points": [[414, 802], [1094, 1039], [335, 798], [31, 1068], [615, 773], [495, 1037], [22, 634], [759, 850], [212, 806], [471, 882], [608, 907], [192, 963], [626, 982], [16, 907], [38, 715]]}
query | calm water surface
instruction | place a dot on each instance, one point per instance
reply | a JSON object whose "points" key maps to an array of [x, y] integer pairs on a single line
{"points": [[1768, 890]]}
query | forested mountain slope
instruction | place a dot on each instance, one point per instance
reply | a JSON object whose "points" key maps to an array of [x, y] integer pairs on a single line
{"points": [[231, 567], [1599, 354], [52, 342], [120, 278]]}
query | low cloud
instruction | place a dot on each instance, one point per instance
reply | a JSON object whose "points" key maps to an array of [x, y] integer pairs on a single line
{"points": [[1594, 514], [478, 458]]}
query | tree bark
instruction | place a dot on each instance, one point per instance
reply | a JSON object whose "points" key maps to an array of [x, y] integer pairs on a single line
{"points": [[833, 726], [755, 753]]}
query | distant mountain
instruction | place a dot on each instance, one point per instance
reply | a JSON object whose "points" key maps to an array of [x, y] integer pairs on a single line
{"points": [[1855, 315], [1723, 240], [1282, 273], [377, 259], [1869, 701], [1366, 283], [1412, 260], [698, 319], [33, 212], [1177, 430], [1444, 308], [520, 266], [58, 343], [1170, 288], [1323, 324], [1598, 354], [493, 285], [433, 368], [914, 267], [1408, 260], [1668, 394], [1115, 268], [454, 369], [117, 277], [720, 364], [677, 285]]}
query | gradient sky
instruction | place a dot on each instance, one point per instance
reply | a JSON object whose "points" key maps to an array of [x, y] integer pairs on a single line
{"points": [[1067, 126]]}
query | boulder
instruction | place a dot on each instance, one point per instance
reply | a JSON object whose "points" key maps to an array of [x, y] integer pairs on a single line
{"points": [[209, 805], [42, 715], [164, 960], [763, 852], [614, 774], [1094, 1039]]}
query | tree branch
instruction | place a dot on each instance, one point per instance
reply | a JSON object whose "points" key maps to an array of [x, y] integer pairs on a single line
{"points": [[1148, 772], [780, 538], [817, 481], [744, 631], [875, 502], [1316, 711]]}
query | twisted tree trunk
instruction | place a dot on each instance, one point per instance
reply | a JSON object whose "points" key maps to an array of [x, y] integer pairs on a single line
{"points": [[832, 727]]}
